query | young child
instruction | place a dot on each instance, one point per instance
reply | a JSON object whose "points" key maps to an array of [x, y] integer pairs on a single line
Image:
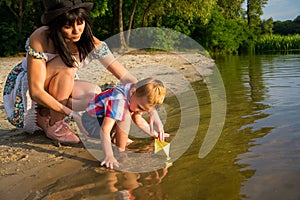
{"points": [[114, 108]]}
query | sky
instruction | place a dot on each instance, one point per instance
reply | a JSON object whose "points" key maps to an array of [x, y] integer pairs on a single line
{"points": [[281, 10]]}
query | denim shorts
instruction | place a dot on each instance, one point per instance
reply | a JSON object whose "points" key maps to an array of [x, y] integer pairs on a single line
{"points": [[92, 124]]}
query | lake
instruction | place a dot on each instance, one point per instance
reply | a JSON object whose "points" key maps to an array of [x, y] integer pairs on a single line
{"points": [[256, 156]]}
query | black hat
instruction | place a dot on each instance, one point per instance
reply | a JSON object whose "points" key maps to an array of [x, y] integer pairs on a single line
{"points": [[54, 8]]}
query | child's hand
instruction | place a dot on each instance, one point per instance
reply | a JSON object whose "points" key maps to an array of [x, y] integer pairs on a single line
{"points": [[110, 162], [161, 136]]}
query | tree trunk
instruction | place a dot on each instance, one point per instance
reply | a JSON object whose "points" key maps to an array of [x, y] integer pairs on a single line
{"points": [[122, 38], [115, 18], [131, 21], [248, 13], [145, 14], [20, 19], [18, 15]]}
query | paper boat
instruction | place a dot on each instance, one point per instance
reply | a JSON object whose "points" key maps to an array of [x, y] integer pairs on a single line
{"points": [[165, 146]]}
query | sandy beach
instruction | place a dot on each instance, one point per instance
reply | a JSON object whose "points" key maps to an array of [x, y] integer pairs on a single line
{"points": [[30, 162]]}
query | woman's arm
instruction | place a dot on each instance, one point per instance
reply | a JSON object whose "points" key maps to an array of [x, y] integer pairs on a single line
{"points": [[37, 73], [108, 60], [121, 73]]}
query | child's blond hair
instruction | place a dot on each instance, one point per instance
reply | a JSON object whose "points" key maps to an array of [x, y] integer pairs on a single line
{"points": [[153, 89]]}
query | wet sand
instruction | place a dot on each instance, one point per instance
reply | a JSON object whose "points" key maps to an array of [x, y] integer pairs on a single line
{"points": [[31, 161]]}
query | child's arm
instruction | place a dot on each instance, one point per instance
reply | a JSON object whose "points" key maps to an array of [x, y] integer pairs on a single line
{"points": [[143, 124], [109, 160], [155, 120]]}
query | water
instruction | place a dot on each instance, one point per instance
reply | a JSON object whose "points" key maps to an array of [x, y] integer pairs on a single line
{"points": [[275, 157], [270, 88], [256, 157]]}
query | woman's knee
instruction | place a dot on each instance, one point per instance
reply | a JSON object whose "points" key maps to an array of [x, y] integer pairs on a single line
{"points": [[60, 78], [61, 85], [85, 90], [82, 93]]}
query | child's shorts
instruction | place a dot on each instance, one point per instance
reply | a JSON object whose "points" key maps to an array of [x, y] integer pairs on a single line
{"points": [[92, 124]]}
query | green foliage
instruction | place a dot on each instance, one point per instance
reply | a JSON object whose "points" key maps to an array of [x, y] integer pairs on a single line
{"points": [[157, 39], [10, 40], [277, 43], [267, 26], [230, 9], [287, 27], [21, 18], [221, 26], [254, 11], [222, 36], [99, 9], [191, 9]]}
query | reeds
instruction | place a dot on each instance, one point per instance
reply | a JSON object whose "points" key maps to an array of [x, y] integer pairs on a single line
{"points": [[277, 43]]}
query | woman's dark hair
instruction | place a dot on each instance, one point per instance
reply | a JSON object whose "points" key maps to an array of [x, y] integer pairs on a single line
{"points": [[86, 43]]}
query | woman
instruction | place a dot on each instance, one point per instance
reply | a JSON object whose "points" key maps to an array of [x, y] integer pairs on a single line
{"points": [[46, 78]]}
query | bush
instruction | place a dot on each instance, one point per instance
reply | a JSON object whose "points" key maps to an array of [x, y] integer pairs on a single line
{"points": [[10, 40]]}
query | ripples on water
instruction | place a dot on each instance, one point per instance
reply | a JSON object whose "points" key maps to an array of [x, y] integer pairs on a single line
{"points": [[275, 158]]}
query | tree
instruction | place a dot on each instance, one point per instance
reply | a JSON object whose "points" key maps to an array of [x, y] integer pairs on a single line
{"points": [[176, 14], [16, 8], [13, 32], [287, 27], [122, 38], [230, 9], [267, 26], [131, 21], [254, 11], [222, 36], [297, 20]]}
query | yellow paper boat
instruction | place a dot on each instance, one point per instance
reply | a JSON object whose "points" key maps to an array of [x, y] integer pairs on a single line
{"points": [[165, 146]]}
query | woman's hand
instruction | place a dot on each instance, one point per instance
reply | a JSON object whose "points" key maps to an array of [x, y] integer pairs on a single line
{"points": [[77, 118], [110, 162]]}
